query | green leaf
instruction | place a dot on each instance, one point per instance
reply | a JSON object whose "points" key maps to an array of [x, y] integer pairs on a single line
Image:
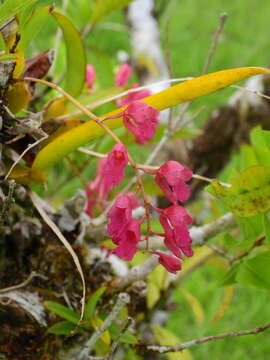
{"points": [[62, 328], [102, 8], [92, 303], [247, 157], [33, 26], [266, 224], [250, 227], [259, 137], [76, 58], [230, 277], [255, 271], [249, 194], [126, 338], [10, 8], [62, 311]]}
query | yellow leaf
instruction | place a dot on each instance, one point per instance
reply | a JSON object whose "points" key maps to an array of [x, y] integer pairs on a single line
{"points": [[159, 276], [55, 107], [153, 295], [167, 338], [200, 257], [65, 126], [177, 94], [20, 64], [27, 176], [195, 306], [18, 96], [96, 323], [218, 263], [224, 304]]}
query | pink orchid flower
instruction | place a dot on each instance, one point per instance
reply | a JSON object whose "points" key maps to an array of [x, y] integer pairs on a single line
{"points": [[175, 221], [141, 120], [170, 263], [117, 160], [171, 178], [123, 74], [90, 76], [128, 240]]}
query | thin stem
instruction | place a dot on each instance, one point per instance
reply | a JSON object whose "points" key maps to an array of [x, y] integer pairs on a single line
{"points": [[118, 96], [24, 283], [189, 344], [222, 20], [123, 299]]}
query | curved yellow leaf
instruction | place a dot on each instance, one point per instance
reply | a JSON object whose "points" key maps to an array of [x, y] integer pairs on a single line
{"points": [[224, 304], [55, 107], [18, 96], [177, 94], [195, 306]]}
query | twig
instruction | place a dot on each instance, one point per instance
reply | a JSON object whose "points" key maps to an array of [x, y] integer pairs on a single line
{"points": [[114, 344], [24, 283], [122, 300], [189, 344], [222, 20], [30, 146], [38, 205], [251, 91], [8, 200], [200, 234], [136, 273], [245, 253]]}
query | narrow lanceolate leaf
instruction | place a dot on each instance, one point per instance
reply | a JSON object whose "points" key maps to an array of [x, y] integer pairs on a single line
{"points": [[62, 311], [76, 59], [33, 26], [11, 8], [249, 194], [102, 8], [177, 94]]}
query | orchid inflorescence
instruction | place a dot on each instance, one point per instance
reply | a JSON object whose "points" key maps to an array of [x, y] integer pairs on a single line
{"points": [[141, 120]]}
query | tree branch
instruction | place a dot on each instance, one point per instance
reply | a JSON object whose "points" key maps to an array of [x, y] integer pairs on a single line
{"points": [[123, 299], [189, 344]]}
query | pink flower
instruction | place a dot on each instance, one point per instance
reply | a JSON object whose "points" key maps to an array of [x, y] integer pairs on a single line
{"points": [[133, 96], [120, 214], [117, 160], [95, 190], [175, 221], [169, 262], [123, 74], [171, 178], [90, 76], [141, 120], [128, 240]]}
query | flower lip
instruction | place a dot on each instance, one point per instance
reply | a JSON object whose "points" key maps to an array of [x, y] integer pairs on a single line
{"points": [[171, 177]]}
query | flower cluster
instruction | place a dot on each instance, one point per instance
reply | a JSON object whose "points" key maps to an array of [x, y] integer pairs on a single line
{"points": [[141, 120], [125, 231]]}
